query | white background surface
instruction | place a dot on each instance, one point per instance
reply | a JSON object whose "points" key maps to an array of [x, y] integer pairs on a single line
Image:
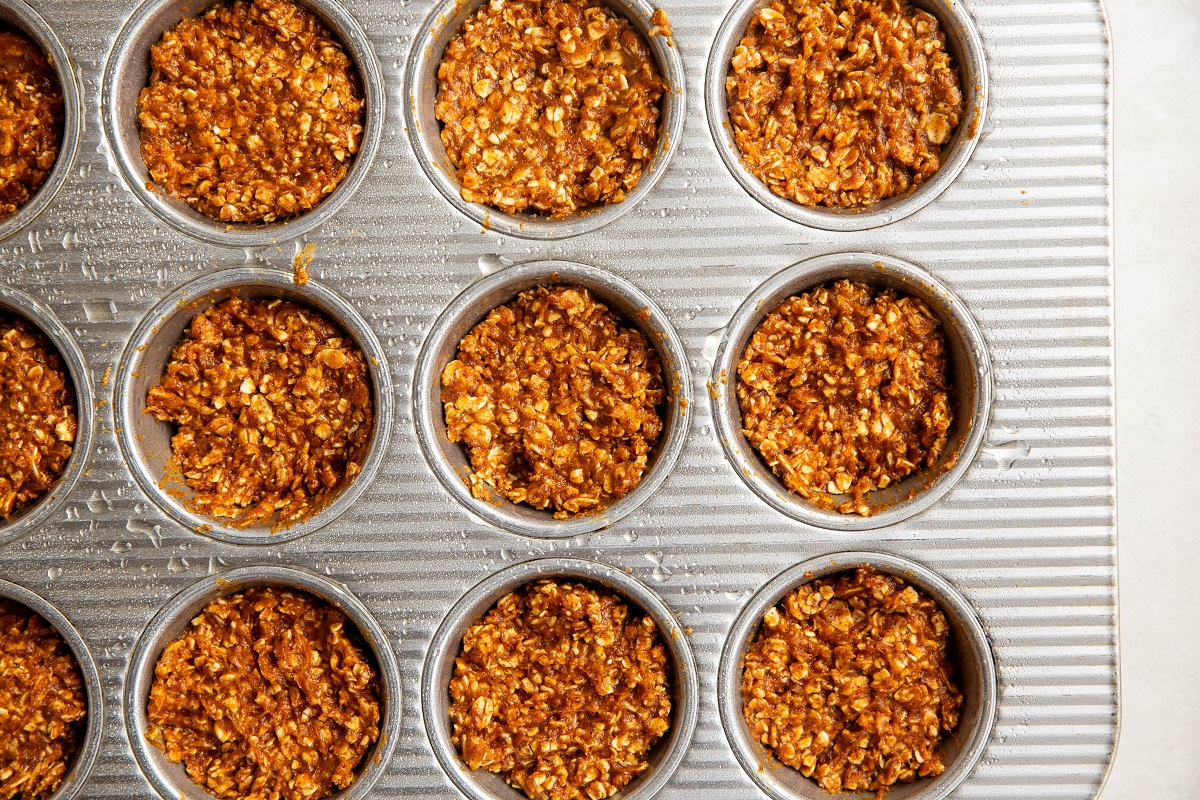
{"points": [[1157, 44]]}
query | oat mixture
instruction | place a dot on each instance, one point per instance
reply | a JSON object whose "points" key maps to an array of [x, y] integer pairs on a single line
{"points": [[31, 120], [556, 402], [253, 113], [549, 105], [37, 416], [842, 103], [850, 680], [843, 390], [43, 704], [273, 407], [562, 691], [267, 695]]}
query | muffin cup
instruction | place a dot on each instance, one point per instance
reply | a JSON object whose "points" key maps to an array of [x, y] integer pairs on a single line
{"points": [[975, 675], [971, 396], [16, 14], [39, 317], [664, 757], [146, 442], [969, 58], [424, 130], [171, 780], [127, 72], [449, 461], [89, 747]]}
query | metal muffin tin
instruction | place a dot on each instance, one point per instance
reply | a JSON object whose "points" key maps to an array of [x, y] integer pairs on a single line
{"points": [[171, 780], [970, 372], [664, 758], [424, 131], [128, 72], [968, 57], [449, 461], [975, 675], [1021, 238]]}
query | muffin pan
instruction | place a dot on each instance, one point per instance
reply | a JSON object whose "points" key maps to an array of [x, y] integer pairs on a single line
{"points": [[1019, 536]]}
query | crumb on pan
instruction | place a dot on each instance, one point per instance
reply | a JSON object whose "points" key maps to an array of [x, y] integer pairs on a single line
{"points": [[556, 402], [842, 103], [562, 691], [267, 694], [43, 705], [38, 422], [272, 404], [844, 390], [850, 681], [549, 105], [254, 111]]}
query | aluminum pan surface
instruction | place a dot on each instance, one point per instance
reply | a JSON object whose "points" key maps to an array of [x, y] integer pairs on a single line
{"points": [[1023, 236]]}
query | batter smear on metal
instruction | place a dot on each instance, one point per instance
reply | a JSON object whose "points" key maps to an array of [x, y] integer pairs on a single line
{"points": [[562, 691]]}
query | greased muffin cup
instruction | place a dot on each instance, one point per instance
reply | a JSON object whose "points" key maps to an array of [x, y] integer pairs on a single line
{"points": [[975, 674], [664, 757], [969, 367], [171, 781], [38, 316], [20, 16], [146, 443], [127, 72], [424, 130], [449, 461], [93, 730], [970, 60]]}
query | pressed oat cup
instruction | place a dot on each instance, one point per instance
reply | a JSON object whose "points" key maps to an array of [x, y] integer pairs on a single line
{"points": [[970, 372], [127, 72], [969, 59], [171, 780], [146, 442], [663, 758], [19, 16], [449, 461], [93, 730], [424, 130], [21, 306], [975, 675]]}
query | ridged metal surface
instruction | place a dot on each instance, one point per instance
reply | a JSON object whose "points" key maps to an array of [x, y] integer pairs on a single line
{"points": [[1023, 236]]}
